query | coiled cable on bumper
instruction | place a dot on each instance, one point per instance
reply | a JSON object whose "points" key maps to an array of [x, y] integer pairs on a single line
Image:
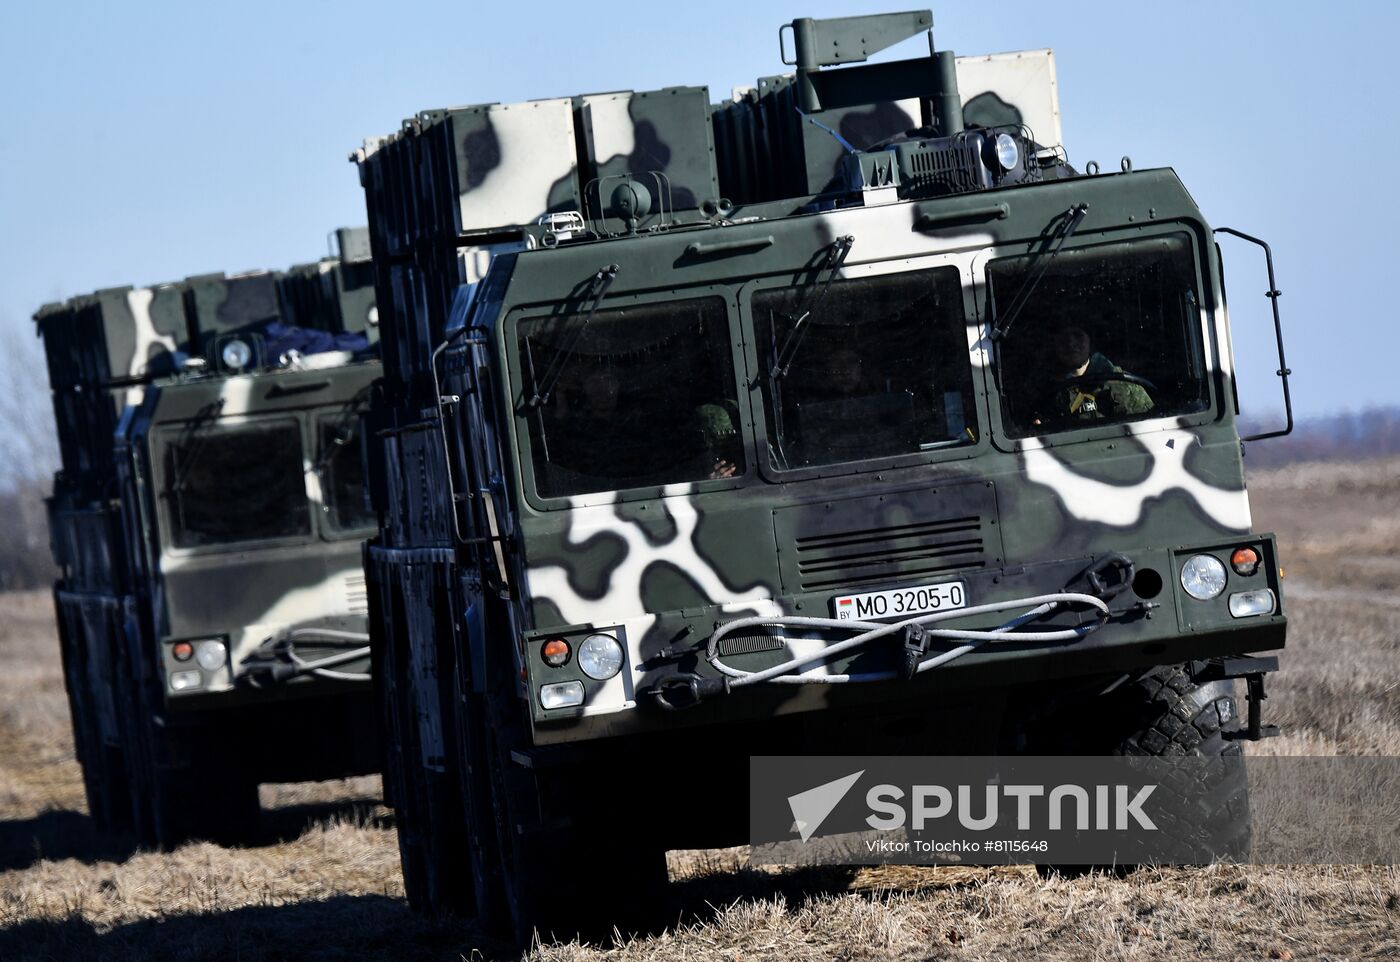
{"points": [[913, 629]]}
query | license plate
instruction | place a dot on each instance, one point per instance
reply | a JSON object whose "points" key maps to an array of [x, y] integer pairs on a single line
{"points": [[900, 602]]}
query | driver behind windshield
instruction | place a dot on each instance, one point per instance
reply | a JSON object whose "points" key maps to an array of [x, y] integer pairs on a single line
{"points": [[1084, 385]]}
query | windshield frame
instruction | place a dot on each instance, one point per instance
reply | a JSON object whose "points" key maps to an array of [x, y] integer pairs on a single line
{"points": [[318, 419], [757, 366], [1208, 320], [169, 432], [522, 443]]}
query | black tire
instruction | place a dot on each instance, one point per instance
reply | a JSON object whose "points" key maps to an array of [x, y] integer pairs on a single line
{"points": [[1177, 717], [1163, 713]]}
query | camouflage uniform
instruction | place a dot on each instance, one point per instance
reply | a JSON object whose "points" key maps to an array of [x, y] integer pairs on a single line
{"points": [[1086, 400]]}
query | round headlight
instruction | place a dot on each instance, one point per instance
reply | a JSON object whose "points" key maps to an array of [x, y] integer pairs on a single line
{"points": [[1203, 577], [600, 656], [211, 654], [237, 354], [1008, 152]]}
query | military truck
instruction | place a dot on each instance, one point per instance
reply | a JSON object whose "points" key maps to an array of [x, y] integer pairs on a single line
{"points": [[206, 523], [842, 416]]}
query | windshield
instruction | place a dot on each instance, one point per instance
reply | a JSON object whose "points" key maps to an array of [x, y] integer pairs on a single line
{"points": [[1110, 333], [878, 368], [643, 395], [236, 483], [342, 474]]}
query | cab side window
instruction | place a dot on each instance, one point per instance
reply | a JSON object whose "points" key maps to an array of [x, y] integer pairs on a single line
{"points": [[1108, 333]]}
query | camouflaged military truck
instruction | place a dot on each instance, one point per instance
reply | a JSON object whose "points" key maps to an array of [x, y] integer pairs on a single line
{"points": [[844, 415], [206, 522]]}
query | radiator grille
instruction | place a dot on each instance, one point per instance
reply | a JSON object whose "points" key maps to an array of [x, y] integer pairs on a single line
{"points": [[356, 595], [874, 555], [749, 644]]}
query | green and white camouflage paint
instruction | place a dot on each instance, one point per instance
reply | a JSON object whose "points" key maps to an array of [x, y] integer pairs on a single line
{"points": [[164, 477], [875, 274]]}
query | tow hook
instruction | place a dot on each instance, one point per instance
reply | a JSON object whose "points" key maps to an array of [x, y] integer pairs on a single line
{"points": [[680, 691], [1116, 562]]}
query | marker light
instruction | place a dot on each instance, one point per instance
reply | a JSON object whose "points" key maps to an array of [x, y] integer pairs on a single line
{"points": [[1245, 561], [555, 652], [182, 650], [565, 694], [1246, 604], [210, 654], [1203, 577], [186, 680], [600, 656], [237, 354], [1008, 153]]}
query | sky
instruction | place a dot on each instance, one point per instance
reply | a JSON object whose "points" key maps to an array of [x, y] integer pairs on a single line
{"points": [[143, 142]]}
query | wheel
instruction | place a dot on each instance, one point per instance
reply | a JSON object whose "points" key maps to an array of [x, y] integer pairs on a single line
{"points": [[1163, 713], [1176, 717]]}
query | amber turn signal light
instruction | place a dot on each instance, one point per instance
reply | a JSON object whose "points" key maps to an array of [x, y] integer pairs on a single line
{"points": [[555, 652], [1245, 561], [182, 650]]}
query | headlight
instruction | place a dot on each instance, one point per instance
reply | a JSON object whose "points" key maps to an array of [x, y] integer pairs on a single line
{"points": [[1244, 604], [237, 354], [210, 654], [566, 694], [1008, 153], [1203, 577], [185, 680], [600, 656]]}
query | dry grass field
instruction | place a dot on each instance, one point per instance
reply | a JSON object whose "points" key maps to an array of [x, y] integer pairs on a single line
{"points": [[323, 881]]}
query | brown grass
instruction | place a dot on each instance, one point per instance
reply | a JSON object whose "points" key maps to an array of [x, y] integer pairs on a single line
{"points": [[324, 882]]}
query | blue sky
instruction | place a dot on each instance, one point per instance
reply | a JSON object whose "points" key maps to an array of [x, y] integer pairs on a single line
{"points": [[147, 142]]}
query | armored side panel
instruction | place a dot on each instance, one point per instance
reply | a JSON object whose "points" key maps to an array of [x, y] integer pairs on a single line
{"points": [[659, 138], [99, 349], [119, 336], [332, 295], [770, 149], [511, 163], [1018, 88], [218, 304]]}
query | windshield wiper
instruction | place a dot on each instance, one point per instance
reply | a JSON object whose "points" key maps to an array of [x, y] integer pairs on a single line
{"points": [[343, 428], [1040, 264], [195, 439], [597, 288], [835, 256]]}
